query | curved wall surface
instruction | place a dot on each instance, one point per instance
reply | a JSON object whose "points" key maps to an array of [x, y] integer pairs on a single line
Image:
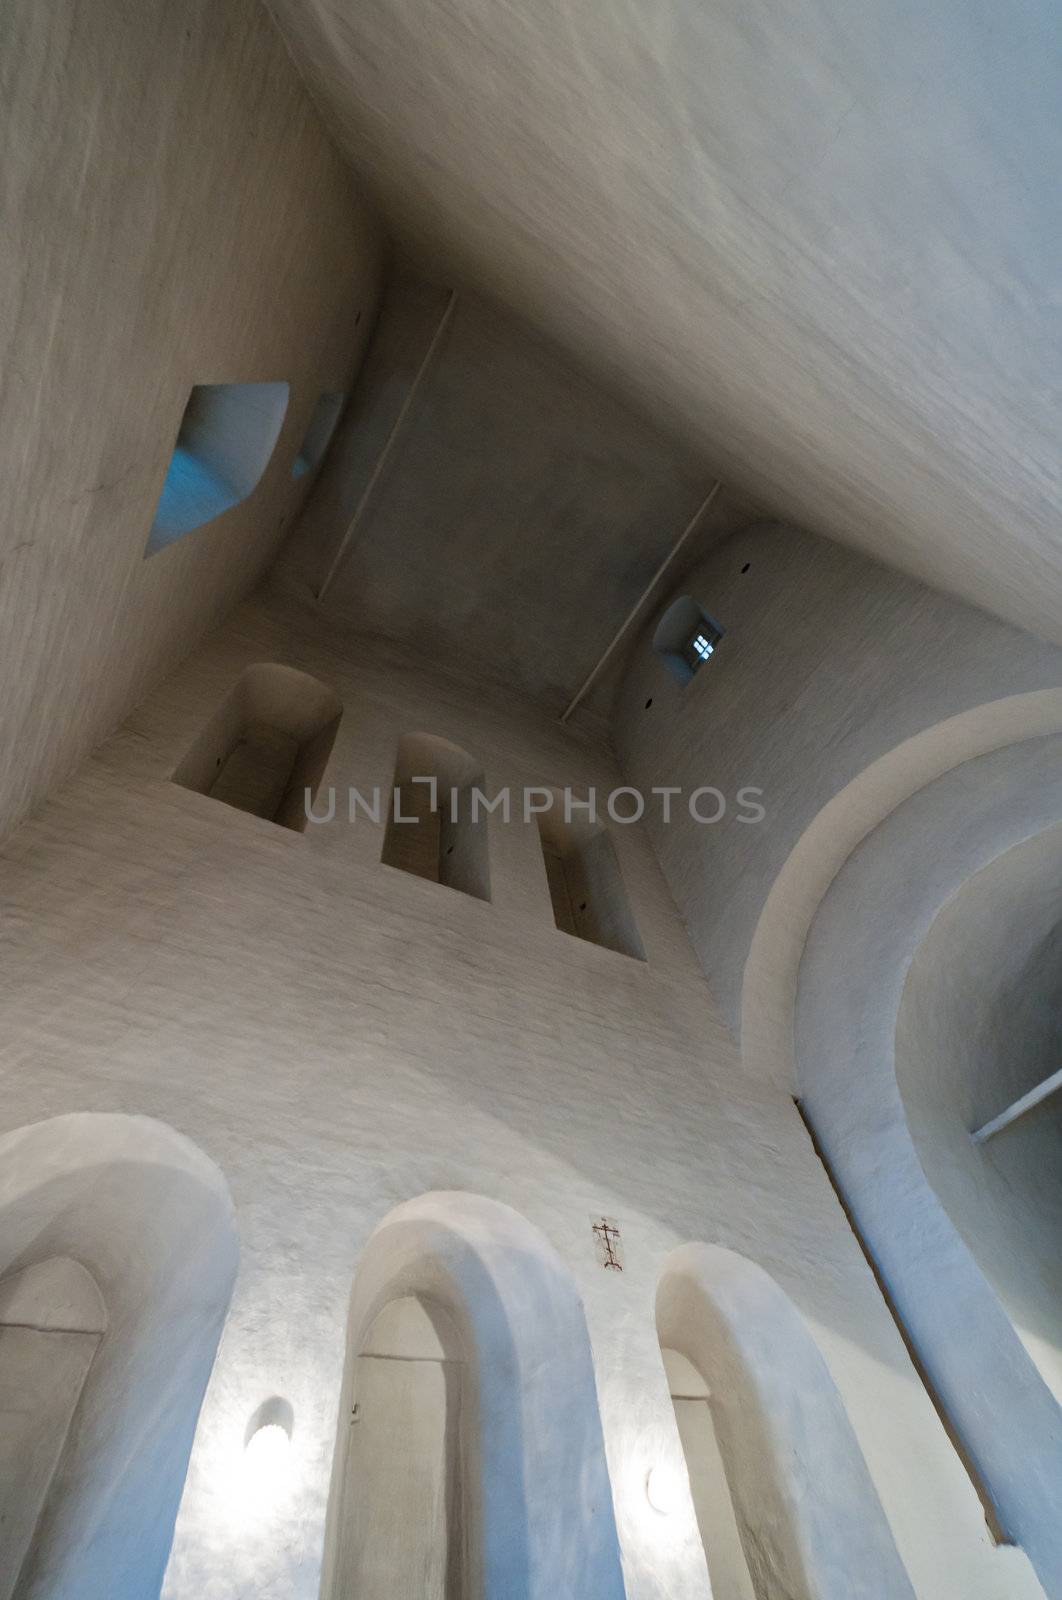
{"points": [[828, 662], [904, 744], [811, 1524], [149, 1216], [872, 922], [979, 1025]]}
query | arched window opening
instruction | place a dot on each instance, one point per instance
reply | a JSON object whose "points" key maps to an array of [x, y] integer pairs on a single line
{"points": [[266, 749], [452, 1463], [686, 638], [52, 1319], [437, 829], [585, 883], [223, 447], [318, 436], [712, 1501], [780, 1457], [403, 1519], [114, 1232]]}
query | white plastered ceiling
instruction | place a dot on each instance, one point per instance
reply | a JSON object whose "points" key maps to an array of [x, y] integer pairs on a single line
{"points": [[821, 241]]}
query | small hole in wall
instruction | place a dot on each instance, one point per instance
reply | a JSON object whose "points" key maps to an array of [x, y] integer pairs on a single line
{"points": [[649, 702], [583, 906], [746, 567], [357, 318]]}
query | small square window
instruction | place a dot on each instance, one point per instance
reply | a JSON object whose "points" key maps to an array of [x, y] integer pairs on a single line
{"points": [[686, 637]]}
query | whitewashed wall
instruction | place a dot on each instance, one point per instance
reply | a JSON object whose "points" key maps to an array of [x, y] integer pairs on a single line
{"points": [[829, 661], [174, 213], [339, 1037], [899, 741]]}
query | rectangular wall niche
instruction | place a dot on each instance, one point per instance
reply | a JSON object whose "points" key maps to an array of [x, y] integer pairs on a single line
{"points": [[585, 885], [323, 423], [685, 638], [443, 842], [266, 746], [224, 443]]}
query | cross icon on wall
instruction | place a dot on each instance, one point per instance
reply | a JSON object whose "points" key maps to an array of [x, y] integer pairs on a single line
{"points": [[607, 1233]]}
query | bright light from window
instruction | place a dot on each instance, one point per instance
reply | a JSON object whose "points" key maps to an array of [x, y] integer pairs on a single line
{"points": [[702, 646], [663, 1489], [266, 1464]]}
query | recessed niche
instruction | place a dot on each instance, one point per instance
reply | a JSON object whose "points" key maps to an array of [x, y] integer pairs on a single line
{"points": [[433, 829], [224, 443], [686, 637], [318, 436], [585, 883], [267, 746]]}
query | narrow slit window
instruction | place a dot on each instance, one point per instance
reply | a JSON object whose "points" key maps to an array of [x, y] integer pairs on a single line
{"points": [[586, 887], [266, 749], [224, 444], [436, 829]]}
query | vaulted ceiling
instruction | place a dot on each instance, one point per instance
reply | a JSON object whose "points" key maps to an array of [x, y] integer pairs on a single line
{"points": [[821, 241]]}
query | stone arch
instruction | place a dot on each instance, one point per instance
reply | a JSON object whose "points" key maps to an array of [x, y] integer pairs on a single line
{"points": [[979, 1024], [769, 985], [811, 1523], [541, 1507], [862, 937], [127, 1207]]}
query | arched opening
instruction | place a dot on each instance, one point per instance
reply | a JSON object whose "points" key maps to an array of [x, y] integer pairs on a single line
{"points": [[709, 1488], [979, 1026], [52, 1319], [468, 1349], [266, 749], [872, 931], [403, 1526], [779, 1464], [586, 887], [437, 828], [117, 1260]]}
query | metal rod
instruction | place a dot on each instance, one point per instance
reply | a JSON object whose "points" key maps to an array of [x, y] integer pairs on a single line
{"points": [[639, 605], [1019, 1108], [389, 444]]}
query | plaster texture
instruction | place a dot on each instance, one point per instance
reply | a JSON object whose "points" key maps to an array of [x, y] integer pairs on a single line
{"points": [[531, 507], [537, 1487], [904, 743], [148, 1217], [821, 240], [174, 214], [829, 664], [340, 1037], [964, 1317], [976, 1029], [799, 1484]]}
